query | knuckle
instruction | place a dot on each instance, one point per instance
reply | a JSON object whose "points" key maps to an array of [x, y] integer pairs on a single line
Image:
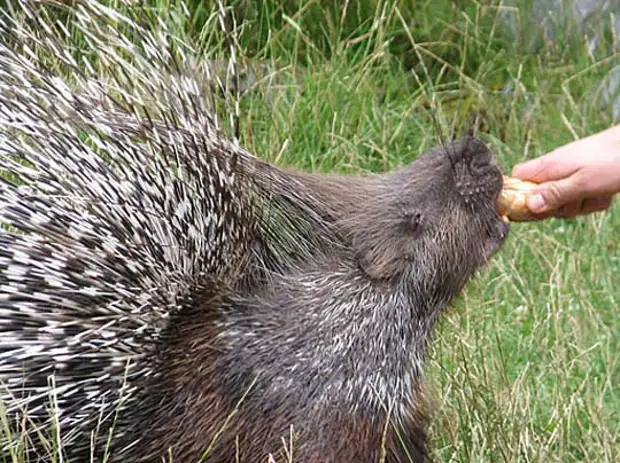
{"points": [[554, 195]]}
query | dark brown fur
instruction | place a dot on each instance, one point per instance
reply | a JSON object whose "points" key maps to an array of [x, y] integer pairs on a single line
{"points": [[211, 420], [239, 300], [210, 399]]}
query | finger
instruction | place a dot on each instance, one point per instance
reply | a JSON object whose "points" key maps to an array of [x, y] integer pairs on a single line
{"points": [[591, 205], [551, 166], [551, 196], [570, 210], [582, 207]]}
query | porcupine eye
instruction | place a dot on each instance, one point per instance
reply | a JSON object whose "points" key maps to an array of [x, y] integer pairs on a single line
{"points": [[413, 223]]}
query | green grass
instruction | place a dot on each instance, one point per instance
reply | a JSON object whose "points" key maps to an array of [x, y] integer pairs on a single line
{"points": [[526, 365]]}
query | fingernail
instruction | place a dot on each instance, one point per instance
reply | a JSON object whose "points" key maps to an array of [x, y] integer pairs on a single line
{"points": [[516, 170], [518, 166], [536, 203]]}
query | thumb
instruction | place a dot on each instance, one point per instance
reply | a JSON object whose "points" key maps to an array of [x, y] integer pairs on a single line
{"points": [[550, 196]]}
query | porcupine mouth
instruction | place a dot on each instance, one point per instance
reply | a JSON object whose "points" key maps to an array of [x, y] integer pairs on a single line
{"points": [[488, 163], [495, 227], [498, 226]]}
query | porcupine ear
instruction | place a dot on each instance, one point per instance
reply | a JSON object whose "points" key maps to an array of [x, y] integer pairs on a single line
{"points": [[379, 266], [382, 236]]}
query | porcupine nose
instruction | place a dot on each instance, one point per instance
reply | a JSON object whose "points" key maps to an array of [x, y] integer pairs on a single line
{"points": [[478, 158], [472, 154], [478, 155], [479, 178]]}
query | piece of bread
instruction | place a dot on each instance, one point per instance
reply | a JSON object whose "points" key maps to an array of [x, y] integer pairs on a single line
{"points": [[512, 201]]}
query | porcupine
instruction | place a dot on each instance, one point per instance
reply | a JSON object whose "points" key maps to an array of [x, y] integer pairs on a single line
{"points": [[161, 283]]}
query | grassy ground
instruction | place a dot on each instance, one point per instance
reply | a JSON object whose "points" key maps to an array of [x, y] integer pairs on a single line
{"points": [[526, 365]]}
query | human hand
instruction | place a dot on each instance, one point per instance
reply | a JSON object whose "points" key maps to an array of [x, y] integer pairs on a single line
{"points": [[575, 179]]}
